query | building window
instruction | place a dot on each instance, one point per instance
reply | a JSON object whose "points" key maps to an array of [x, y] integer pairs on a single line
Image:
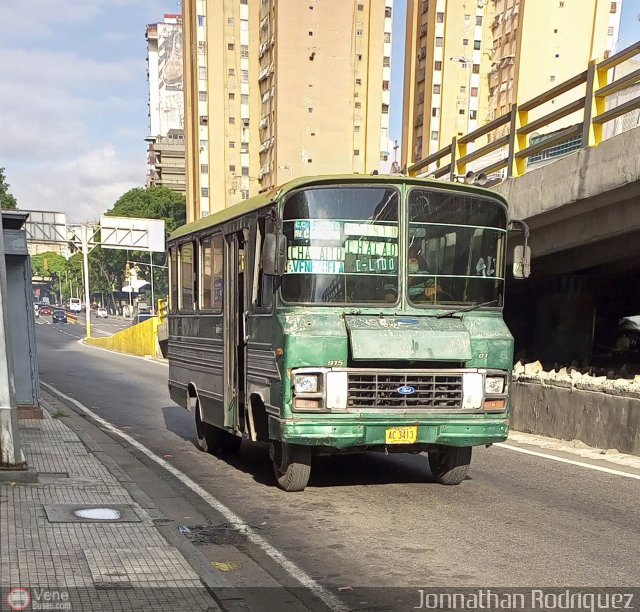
{"points": [[232, 72], [434, 135], [610, 31], [244, 50], [204, 168], [385, 108], [356, 152], [244, 147], [310, 109], [232, 144], [232, 96], [437, 65], [232, 167], [361, 7], [607, 54], [387, 37], [202, 72], [244, 98], [358, 33], [552, 78], [232, 120], [387, 11], [204, 191], [203, 145], [463, 88], [461, 111], [439, 41], [385, 85], [436, 88], [202, 96], [245, 194], [244, 74], [473, 115], [310, 33], [358, 105], [201, 21], [561, 4], [467, 17], [476, 45], [614, 7], [386, 61], [230, 46], [440, 17], [478, 20], [231, 21], [245, 171], [465, 42], [476, 69], [474, 92], [435, 112], [356, 128], [309, 161]]}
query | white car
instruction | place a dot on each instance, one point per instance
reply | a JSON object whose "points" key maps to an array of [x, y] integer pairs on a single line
{"points": [[102, 313]]}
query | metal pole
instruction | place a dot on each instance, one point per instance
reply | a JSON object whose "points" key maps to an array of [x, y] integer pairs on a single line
{"points": [[10, 452], [153, 302], [87, 297]]}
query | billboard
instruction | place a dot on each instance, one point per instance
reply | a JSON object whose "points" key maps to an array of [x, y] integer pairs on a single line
{"points": [[128, 233]]}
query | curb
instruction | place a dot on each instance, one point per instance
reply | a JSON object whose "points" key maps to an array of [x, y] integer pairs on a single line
{"points": [[224, 593]]}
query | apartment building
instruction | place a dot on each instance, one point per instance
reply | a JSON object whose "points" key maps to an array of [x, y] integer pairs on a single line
{"points": [[165, 150], [446, 70], [276, 89], [516, 50]]}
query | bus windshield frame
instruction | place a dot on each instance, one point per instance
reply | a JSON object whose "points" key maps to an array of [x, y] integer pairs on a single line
{"points": [[342, 245]]}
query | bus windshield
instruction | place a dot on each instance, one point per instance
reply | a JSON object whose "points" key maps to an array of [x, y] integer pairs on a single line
{"points": [[342, 245], [456, 248]]}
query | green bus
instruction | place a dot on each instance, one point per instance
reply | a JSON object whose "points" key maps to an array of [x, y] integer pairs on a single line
{"points": [[345, 313]]}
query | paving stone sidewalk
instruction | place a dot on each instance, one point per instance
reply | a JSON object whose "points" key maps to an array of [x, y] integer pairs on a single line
{"points": [[49, 555]]}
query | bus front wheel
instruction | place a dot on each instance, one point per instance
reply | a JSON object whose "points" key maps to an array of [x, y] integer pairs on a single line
{"points": [[450, 465], [291, 464]]}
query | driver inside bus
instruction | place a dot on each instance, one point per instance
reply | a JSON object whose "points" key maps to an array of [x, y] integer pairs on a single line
{"points": [[421, 288]]}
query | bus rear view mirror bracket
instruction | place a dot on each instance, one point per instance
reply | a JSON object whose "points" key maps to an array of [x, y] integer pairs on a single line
{"points": [[522, 252], [274, 254]]}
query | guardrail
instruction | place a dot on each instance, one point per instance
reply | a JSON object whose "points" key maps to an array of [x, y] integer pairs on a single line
{"points": [[511, 132]]}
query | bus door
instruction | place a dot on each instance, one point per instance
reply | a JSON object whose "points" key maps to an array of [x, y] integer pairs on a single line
{"points": [[234, 332]]}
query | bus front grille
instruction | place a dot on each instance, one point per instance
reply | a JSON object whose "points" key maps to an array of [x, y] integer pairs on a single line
{"points": [[382, 390]]}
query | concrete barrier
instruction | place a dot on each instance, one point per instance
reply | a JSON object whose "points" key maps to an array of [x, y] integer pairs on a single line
{"points": [[140, 339], [598, 419]]}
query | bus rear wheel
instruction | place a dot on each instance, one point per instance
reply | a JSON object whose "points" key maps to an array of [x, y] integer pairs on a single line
{"points": [[212, 439], [291, 465], [450, 465]]}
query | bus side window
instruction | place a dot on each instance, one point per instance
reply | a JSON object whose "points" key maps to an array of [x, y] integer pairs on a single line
{"points": [[262, 284], [217, 273], [173, 272], [187, 277]]}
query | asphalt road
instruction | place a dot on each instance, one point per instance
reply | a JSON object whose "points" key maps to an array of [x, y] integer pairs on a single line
{"points": [[375, 520]]}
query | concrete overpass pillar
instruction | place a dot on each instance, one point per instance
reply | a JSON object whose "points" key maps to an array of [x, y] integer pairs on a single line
{"points": [[565, 319]]}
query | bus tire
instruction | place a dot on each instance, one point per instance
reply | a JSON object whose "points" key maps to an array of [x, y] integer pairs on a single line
{"points": [[291, 465], [450, 465]]}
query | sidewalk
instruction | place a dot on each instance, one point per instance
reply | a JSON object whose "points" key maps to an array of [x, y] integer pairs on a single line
{"points": [[110, 556]]}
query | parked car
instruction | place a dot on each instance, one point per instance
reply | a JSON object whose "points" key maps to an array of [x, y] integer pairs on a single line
{"points": [[102, 313], [45, 310], [59, 316], [139, 318]]}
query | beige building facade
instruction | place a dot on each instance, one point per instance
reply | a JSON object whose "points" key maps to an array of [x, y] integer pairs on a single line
{"points": [[516, 50], [279, 89]]}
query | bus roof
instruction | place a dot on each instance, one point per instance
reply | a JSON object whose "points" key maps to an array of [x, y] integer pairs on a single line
{"points": [[262, 199]]}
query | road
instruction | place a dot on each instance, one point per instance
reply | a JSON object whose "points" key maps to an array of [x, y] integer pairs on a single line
{"points": [[99, 327], [374, 520]]}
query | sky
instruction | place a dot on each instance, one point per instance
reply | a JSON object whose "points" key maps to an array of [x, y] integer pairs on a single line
{"points": [[73, 101]]}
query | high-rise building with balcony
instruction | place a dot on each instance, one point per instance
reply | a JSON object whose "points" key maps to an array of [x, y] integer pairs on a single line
{"points": [[282, 88], [165, 151], [509, 50]]}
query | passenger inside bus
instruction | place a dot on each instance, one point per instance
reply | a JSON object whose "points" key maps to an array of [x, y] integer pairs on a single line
{"points": [[421, 288]]}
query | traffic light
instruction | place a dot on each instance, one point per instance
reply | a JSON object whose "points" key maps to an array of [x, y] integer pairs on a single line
{"points": [[46, 264]]}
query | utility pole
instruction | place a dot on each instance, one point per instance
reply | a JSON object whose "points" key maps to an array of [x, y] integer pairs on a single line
{"points": [[87, 296], [11, 455]]}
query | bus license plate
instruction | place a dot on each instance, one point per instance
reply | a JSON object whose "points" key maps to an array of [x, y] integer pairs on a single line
{"points": [[401, 435]]}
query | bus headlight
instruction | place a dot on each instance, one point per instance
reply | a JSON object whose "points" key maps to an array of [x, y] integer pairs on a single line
{"points": [[494, 385], [305, 383]]}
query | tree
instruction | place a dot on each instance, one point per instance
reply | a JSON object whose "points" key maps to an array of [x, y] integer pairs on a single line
{"points": [[7, 201]]}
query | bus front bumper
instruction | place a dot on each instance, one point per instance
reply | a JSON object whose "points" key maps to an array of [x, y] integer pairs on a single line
{"points": [[343, 434]]}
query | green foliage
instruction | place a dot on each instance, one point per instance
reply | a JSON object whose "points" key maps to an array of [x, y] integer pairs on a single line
{"points": [[44, 264], [152, 203], [7, 201]]}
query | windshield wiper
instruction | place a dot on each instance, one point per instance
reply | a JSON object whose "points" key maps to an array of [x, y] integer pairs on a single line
{"points": [[465, 309]]}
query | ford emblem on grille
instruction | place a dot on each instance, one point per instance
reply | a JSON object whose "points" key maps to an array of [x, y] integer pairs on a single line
{"points": [[406, 390]]}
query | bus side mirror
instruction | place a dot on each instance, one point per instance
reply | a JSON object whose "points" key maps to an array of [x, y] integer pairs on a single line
{"points": [[521, 261], [274, 254]]}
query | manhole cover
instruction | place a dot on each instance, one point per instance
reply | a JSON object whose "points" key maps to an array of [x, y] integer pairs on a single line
{"points": [[91, 513]]}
